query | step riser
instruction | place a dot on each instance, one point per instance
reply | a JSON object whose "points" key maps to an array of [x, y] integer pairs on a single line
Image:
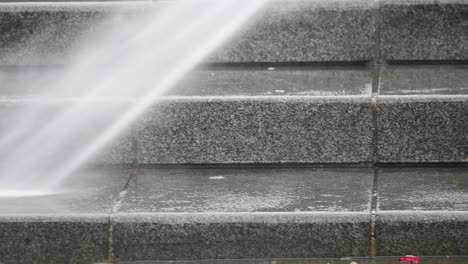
{"points": [[423, 129], [261, 213], [54, 240], [286, 31], [257, 131], [268, 236], [286, 130]]}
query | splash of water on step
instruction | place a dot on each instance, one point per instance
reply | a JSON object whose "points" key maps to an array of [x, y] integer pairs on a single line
{"points": [[120, 73]]}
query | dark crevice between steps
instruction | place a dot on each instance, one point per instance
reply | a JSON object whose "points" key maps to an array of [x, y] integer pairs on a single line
{"points": [[461, 63], [373, 212], [462, 164], [111, 258], [314, 64], [134, 170]]}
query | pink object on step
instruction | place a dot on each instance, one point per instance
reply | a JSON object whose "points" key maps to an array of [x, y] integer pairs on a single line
{"points": [[409, 259]]}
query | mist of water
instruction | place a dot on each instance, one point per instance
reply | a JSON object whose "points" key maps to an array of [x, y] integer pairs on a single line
{"points": [[118, 74]]}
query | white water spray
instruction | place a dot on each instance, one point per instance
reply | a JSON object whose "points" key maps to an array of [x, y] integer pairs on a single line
{"points": [[118, 76]]}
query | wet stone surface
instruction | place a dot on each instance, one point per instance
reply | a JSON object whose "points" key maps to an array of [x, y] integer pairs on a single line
{"points": [[345, 260], [211, 81], [423, 114], [424, 80], [290, 114], [431, 189], [68, 227], [247, 213], [249, 190], [422, 211]]}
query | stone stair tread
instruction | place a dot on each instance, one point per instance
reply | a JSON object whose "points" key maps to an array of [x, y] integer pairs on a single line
{"points": [[424, 80], [215, 82], [350, 80], [171, 213], [90, 192], [249, 190], [344, 260]]}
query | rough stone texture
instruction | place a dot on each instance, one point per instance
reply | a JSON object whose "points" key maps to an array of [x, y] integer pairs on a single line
{"points": [[284, 119], [68, 227], [298, 31], [285, 31], [256, 129], [423, 128], [263, 236], [439, 233], [424, 30], [423, 114], [345, 260], [422, 211], [185, 214], [53, 239], [217, 115]]}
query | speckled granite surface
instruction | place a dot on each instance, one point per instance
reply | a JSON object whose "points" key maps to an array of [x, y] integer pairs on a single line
{"points": [[423, 114], [422, 211], [277, 114], [224, 213], [344, 260], [284, 31], [231, 115], [244, 213], [67, 227], [253, 130], [424, 30], [287, 30]]}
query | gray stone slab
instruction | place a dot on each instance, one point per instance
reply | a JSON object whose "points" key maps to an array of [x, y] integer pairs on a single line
{"points": [[285, 31], [427, 189], [424, 80], [304, 31], [70, 226], [51, 33], [423, 127], [424, 30], [256, 130], [422, 233], [344, 260], [215, 115], [207, 81], [251, 116], [422, 211], [249, 190], [244, 213]]}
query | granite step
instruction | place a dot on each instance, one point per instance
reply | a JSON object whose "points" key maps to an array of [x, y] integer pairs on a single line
{"points": [[149, 214], [375, 260], [269, 115], [305, 31]]}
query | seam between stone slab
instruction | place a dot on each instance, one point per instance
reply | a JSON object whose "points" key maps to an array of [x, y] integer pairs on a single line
{"points": [[111, 255], [373, 212]]}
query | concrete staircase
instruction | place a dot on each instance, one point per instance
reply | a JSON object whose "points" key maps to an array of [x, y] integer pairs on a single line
{"points": [[325, 129]]}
